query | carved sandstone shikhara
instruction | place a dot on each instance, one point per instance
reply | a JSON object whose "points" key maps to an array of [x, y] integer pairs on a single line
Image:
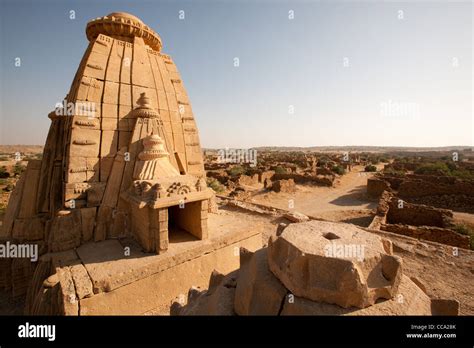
{"points": [[128, 167]]}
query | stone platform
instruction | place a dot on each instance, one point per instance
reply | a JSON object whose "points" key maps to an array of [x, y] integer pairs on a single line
{"points": [[114, 277]]}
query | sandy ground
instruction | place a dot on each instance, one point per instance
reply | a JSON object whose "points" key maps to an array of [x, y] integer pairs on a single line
{"points": [[346, 201], [444, 273], [464, 218]]}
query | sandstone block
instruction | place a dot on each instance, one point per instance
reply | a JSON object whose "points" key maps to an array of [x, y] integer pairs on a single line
{"points": [[219, 300], [295, 216], [334, 263], [284, 186], [258, 292]]}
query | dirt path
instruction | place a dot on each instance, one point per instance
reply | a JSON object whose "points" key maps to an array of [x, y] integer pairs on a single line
{"points": [[348, 196]]}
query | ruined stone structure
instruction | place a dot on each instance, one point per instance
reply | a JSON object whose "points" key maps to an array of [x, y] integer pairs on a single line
{"points": [[439, 191], [127, 164], [284, 186], [122, 157], [317, 268], [418, 221]]}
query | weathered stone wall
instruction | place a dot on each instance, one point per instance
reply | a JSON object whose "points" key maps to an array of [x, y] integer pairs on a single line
{"points": [[376, 186], [434, 187], [266, 175], [248, 180], [434, 234], [439, 191], [427, 185], [220, 176], [455, 202], [418, 215], [284, 186]]}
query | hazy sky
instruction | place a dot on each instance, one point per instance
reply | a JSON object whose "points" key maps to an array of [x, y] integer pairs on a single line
{"points": [[338, 73]]}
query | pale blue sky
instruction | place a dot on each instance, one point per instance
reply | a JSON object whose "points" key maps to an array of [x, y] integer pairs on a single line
{"points": [[422, 62]]}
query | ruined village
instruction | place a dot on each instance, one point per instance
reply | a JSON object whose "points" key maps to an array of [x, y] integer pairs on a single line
{"points": [[124, 213]]}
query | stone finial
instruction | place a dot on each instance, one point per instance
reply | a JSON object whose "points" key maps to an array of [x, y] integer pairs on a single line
{"points": [[153, 148], [144, 101], [120, 25], [144, 108]]}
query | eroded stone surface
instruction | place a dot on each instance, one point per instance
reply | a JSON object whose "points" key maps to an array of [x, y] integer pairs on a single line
{"points": [[295, 216], [218, 300], [334, 263], [411, 300], [258, 291]]}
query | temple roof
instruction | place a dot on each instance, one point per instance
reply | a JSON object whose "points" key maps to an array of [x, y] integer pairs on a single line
{"points": [[122, 24]]}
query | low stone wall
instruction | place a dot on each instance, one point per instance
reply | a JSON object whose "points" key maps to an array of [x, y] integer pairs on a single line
{"points": [[461, 203], [248, 180], [418, 215], [418, 221], [413, 185], [419, 188], [284, 186], [434, 234], [439, 191], [376, 186]]}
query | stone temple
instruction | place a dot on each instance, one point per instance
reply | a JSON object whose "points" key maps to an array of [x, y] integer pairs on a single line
{"points": [[127, 161], [118, 207]]}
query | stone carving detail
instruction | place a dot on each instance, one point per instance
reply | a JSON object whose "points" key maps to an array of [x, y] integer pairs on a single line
{"points": [[94, 66], [81, 187], [84, 142], [86, 123], [178, 188], [154, 149], [80, 169], [144, 110], [120, 25]]}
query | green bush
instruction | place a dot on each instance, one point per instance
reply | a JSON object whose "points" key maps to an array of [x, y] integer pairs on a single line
{"points": [[280, 170], [236, 170], [374, 160], [438, 168], [370, 168], [393, 172], [323, 161], [467, 231], [251, 171], [215, 185], [462, 174], [4, 173], [445, 168], [338, 170]]}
